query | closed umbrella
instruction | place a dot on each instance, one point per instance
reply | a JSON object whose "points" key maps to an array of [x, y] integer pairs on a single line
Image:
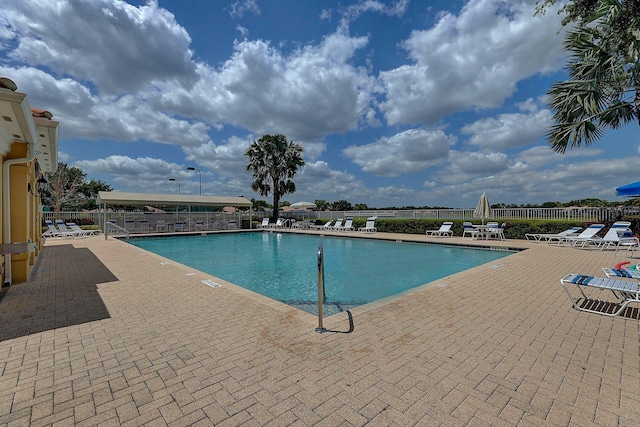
{"points": [[483, 210]]}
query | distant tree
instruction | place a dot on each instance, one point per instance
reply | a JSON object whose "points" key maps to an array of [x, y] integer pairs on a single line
{"points": [[361, 207], [285, 203], [321, 205], [64, 184], [70, 190], [257, 204], [274, 162], [341, 205], [551, 204], [603, 89], [89, 191]]}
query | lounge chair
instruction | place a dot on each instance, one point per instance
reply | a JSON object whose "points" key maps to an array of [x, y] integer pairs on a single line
{"points": [[178, 226], [621, 273], [619, 234], [79, 231], [199, 225], [161, 225], [143, 226], [130, 225], [348, 224], [64, 230], [573, 231], [326, 226], [337, 225], [232, 225], [370, 226], [278, 224], [264, 223], [445, 230], [55, 232], [588, 233], [112, 227], [625, 292]]}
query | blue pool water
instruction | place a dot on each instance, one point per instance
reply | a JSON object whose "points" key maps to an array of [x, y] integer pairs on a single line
{"points": [[284, 266]]}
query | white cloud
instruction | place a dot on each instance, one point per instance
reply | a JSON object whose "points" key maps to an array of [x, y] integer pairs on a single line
{"points": [[473, 163], [353, 12], [470, 61], [405, 152], [510, 130], [113, 44], [311, 93], [127, 118], [238, 8]]}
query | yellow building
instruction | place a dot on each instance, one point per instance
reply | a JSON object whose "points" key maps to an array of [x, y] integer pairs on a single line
{"points": [[28, 149]]}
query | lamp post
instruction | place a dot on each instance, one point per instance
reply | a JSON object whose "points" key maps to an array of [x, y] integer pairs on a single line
{"points": [[191, 168], [174, 179]]}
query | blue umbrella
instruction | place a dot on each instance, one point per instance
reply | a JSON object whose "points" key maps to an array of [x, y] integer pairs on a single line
{"points": [[629, 190]]}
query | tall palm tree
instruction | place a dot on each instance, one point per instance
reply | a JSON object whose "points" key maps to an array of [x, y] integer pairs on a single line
{"points": [[274, 162], [603, 89]]}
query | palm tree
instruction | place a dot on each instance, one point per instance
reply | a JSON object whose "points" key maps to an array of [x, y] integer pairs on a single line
{"points": [[603, 89], [274, 162]]}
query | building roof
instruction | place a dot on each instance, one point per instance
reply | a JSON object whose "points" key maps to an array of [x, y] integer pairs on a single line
{"points": [[22, 124], [120, 198]]}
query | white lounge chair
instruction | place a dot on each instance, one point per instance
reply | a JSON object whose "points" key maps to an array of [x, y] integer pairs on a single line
{"points": [[199, 225], [143, 226], [278, 224], [161, 225], [55, 232], [64, 230], [625, 292], [264, 223], [348, 224], [79, 231], [112, 227], [337, 225], [615, 237], [326, 226], [445, 230], [130, 225], [370, 225], [611, 237], [588, 233], [179, 226], [573, 231]]}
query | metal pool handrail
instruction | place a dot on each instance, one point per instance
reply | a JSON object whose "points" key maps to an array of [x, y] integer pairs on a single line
{"points": [[321, 295]]}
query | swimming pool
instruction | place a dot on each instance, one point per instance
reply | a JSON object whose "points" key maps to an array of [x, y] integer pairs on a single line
{"points": [[284, 266]]}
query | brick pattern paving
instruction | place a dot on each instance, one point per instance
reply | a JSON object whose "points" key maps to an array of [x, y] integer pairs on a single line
{"points": [[108, 334]]}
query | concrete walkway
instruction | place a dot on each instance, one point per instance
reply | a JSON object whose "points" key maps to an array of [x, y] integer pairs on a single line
{"points": [[108, 334]]}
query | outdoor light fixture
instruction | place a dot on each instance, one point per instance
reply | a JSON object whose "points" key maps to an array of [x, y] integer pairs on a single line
{"points": [[191, 168], [42, 185], [174, 179]]}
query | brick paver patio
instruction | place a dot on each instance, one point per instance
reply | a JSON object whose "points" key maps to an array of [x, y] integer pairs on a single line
{"points": [[107, 334]]}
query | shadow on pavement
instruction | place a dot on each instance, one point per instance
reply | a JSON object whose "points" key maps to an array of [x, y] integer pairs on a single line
{"points": [[62, 292]]}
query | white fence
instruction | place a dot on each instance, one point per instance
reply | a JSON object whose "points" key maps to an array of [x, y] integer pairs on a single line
{"points": [[223, 220]]}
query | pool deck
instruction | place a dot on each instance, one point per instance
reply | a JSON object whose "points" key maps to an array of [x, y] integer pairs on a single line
{"points": [[107, 334]]}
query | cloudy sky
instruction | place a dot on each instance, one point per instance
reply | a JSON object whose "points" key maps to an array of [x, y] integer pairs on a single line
{"points": [[396, 103]]}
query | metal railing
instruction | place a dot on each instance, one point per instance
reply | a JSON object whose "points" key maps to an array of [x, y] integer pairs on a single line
{"points": [[222, 220], [321, 294]]}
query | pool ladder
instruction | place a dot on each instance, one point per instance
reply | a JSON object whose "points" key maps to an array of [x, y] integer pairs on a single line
{"points": [[321, 294]]}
